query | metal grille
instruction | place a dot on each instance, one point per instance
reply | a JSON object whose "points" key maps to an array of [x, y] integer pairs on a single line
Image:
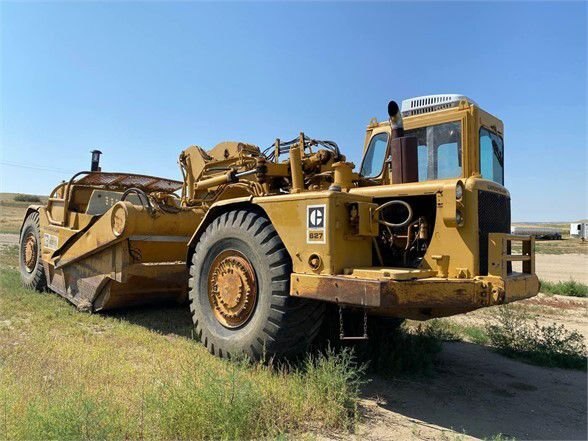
{"points": [[127, 180], [493, 217], [431, 103]]}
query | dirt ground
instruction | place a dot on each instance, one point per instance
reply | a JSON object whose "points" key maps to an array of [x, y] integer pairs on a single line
{"points": [[546, 309], [555, 267], [478, 393]]}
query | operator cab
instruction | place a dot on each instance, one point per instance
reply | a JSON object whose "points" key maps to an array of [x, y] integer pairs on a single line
{"points": [[455, 139]]}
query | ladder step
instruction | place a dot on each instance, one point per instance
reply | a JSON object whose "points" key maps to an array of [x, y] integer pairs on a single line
{"points": [[518, 258]]}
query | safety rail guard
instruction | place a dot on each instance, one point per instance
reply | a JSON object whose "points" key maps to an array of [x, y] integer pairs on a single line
{"points": [[500, 254], [104, 179]]}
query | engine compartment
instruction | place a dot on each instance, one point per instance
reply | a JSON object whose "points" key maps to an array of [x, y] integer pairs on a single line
{"points": [[404, 245]]}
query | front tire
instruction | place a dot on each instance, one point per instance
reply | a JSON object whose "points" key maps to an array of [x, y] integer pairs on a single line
{"points": [[32, 273], [240, 291]]}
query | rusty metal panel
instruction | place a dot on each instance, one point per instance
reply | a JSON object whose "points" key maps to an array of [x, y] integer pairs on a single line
{"points": [[338, 289], [436, 296], [405, 164], [148, 183]]}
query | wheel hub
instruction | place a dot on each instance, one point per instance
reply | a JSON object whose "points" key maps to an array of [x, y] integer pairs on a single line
{"points": [[232, 288], [30, 253]]}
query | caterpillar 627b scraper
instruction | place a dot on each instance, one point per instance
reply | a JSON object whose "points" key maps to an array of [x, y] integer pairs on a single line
{"points": [[258, 242]]}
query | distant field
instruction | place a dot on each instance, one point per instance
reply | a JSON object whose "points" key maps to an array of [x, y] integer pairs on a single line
{"points": [[567, 245], [12, 212]]}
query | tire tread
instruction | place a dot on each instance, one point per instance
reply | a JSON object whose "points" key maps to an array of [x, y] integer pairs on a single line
{"points": [[292, 323], [39, 281]]}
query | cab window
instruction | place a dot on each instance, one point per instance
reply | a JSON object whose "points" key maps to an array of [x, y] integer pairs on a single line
{"points": [[491, 156], [439, 151], [373, 162]]}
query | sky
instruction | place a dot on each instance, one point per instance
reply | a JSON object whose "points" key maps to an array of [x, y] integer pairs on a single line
{"points": [[142, 81]]}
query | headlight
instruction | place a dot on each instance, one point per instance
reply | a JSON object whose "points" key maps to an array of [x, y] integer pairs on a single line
{"points": [[459, 190], [459, 218]]}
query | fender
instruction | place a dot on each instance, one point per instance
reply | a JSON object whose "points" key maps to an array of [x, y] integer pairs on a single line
{"points": [[214, 210], [30, 209], [289, 213]]}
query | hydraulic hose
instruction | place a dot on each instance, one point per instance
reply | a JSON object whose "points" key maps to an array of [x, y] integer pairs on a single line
{"points": [[394, 202], [143, 198]]}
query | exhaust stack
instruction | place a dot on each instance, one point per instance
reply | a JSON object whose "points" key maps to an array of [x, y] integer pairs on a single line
{"points": [[95, 165], [395, 120], [403, 158]]}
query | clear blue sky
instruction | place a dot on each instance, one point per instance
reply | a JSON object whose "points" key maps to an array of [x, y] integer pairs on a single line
{"points": [[141, 81]]}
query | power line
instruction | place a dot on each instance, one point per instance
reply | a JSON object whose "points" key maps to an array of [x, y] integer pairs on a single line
{"points": [[35, 167]]}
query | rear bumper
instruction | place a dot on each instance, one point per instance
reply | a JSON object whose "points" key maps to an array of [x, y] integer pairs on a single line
{"points": [[466, 294], [426, 297]]}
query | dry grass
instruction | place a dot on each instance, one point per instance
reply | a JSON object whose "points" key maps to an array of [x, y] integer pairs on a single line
{"points": [[12, 212], [138, 374], [567, 245], [9, 256]]}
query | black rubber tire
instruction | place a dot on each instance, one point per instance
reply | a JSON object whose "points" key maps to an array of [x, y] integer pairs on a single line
{"points": [[280, 325], [36, 278]]}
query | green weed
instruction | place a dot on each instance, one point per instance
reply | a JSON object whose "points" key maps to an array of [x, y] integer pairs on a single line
{"points": [[404, 352], [500, 437], [476, 335], [514, 335], [9, 256], [567, 288], [69, 375]]}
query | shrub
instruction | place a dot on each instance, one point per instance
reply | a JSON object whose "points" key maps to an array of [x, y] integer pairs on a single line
{"points": [[405, 351], [512, 334], [441, 330], [476, 335], [569, 288], [27, 198]]}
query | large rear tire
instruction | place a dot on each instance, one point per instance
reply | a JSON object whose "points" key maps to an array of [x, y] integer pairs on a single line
{"points": [[32, 273], [239, 291]]}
